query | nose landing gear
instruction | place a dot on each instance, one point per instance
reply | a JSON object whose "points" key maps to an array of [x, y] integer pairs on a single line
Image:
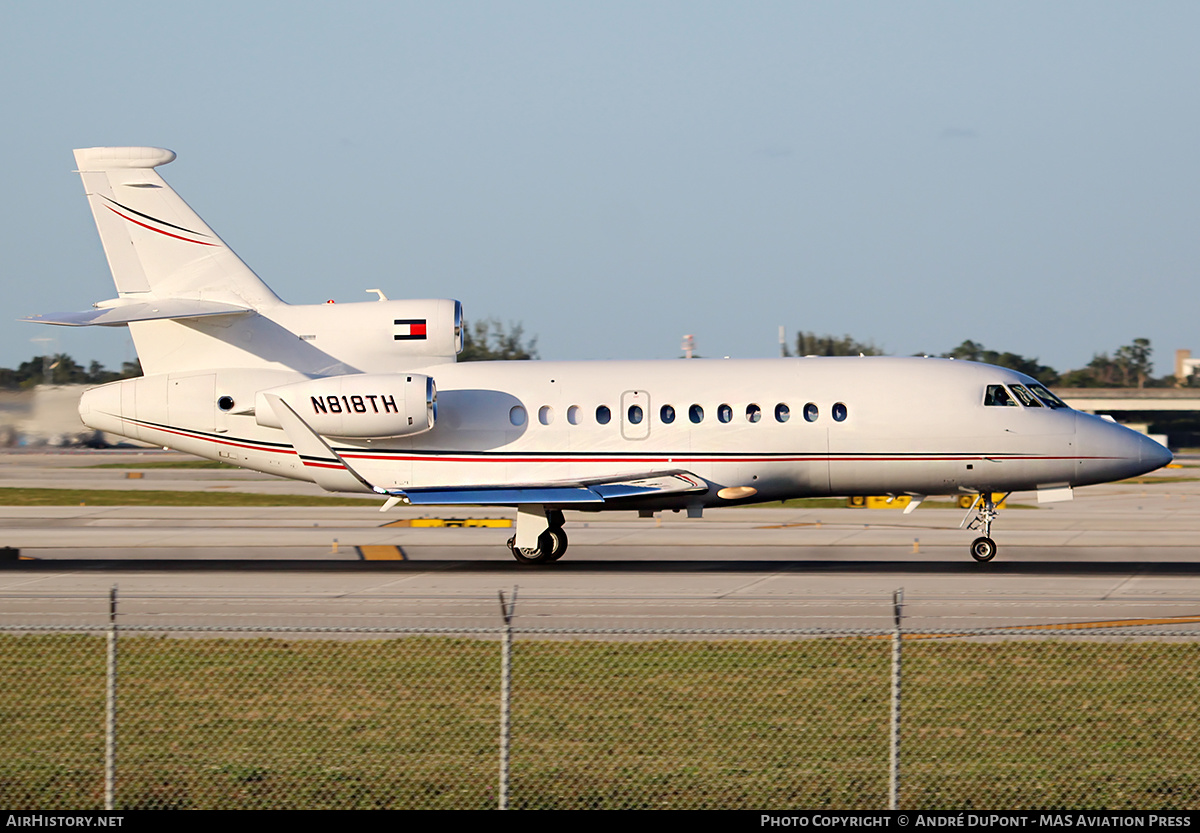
{"points": [[984, 507]]}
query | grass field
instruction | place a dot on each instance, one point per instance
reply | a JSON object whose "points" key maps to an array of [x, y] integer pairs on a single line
{"points": [[413, 723]]}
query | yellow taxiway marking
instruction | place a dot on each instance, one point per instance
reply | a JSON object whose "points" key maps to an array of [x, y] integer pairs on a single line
{"points": [[380, 552], [504, 523]]}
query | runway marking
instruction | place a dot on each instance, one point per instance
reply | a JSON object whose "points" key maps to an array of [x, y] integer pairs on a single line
{"points": [[454, 523], [380, 552]]}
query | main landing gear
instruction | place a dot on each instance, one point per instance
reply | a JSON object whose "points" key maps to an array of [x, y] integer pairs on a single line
{"points": [[551, 544], [984, 548]]}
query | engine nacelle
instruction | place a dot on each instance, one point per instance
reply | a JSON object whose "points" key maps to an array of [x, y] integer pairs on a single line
{"points": [[358, 406]]}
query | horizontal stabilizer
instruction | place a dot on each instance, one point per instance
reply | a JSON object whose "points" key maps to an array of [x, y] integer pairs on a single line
{"points": [[170, 308]]}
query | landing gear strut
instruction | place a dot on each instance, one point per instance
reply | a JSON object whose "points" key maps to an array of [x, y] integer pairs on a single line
{"points": [[984, 548]]}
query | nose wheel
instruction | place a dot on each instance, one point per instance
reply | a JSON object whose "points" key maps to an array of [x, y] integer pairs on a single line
{"points": [[983, 549]]}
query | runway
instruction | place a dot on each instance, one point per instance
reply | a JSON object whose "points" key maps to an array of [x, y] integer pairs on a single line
{"points": [[1117, 552]]}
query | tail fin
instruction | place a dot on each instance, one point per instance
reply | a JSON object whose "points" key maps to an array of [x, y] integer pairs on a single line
{"points": [[192, 305], [157, 246]]}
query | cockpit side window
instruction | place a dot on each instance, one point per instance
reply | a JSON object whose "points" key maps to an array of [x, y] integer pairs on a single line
{"points": [[1047, 397], [1027, 398], [998, 395]]}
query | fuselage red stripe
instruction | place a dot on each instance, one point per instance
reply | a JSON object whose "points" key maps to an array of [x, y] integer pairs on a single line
{"points": [[665, 458]]}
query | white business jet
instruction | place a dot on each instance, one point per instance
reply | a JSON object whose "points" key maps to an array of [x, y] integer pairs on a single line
{"points": [[367, 397]]}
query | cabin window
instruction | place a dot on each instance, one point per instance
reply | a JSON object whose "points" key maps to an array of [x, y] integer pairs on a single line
{"points": [[811, 413], [724, 413], [838, 412], [635, 414], [753, 413], [603, 414], [1027, 398], [573, 415], [696, 414], [667, 414], [545, 415], [517, 415], [998, 395], [1047, 397], [782, 413]]}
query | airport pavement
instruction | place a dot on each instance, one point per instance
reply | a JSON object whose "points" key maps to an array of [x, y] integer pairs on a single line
{"points": [[1117, 552]]}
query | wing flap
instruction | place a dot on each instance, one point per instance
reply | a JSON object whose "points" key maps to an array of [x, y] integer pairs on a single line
{"points": [[594, 491]]}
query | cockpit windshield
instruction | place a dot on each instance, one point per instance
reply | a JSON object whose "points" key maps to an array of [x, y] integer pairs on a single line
{"points": [[1031, 396], [1046, 396], [998, 395], [1027, 398]]}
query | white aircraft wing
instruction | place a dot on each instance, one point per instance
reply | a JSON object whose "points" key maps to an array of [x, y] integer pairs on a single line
{"points": [[333, 472]]}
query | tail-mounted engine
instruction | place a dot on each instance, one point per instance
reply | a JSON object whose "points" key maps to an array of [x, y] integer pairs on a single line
{"points": [[359, 406]]}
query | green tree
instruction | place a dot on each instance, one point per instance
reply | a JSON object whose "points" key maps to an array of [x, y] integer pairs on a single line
{"points": [[488, 341], [1128, 367], [811, 344], [974, 352], [1134, 362], [61, 369]]}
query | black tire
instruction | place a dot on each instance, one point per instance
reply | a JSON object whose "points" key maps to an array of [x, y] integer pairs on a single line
{"points": [[559, 547], [983, 549], [551, 545]]}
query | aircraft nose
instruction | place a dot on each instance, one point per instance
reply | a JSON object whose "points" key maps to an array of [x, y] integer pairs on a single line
{"points": [[1114, 452], [1153, 453]]}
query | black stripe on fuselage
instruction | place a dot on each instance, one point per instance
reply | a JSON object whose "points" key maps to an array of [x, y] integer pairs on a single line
{"points": [[667, 457]]}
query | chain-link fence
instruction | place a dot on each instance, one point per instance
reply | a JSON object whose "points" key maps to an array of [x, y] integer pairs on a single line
{"points": [[209, 717]]}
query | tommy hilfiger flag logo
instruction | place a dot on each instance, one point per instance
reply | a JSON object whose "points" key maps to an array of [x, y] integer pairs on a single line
{"points": [[409, 329]]}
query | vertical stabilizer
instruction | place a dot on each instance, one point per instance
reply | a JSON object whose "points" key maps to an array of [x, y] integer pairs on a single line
{"points": [[156, 245]]}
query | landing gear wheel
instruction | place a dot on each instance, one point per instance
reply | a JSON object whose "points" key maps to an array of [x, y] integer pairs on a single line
{"points": [[560, 542], [551, 545], [983, 549]]}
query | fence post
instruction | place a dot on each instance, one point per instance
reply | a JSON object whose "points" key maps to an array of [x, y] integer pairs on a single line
{"points": [[894, 763], [110, 705], [506, 611]]}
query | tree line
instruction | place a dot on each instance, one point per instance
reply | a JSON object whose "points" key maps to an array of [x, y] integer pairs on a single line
{"points": [[487, 340], [1129, 366], [61, 369]]}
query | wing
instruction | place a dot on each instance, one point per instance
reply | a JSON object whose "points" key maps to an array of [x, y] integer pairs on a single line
{"points": [[596, 491], [332, 472]]}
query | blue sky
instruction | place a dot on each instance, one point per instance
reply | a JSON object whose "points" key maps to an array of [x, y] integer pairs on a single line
{"points": [[614, 175]]}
